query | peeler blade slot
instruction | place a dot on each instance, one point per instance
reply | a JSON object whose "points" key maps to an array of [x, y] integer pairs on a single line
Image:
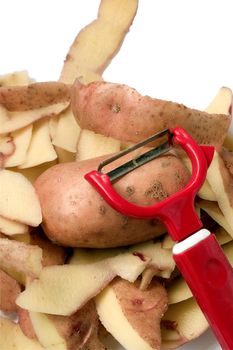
{"points": [[134, 147], [138, 161]]}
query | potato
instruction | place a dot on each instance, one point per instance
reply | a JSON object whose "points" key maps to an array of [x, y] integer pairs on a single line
{"points": [[32, 96], [75, 215], [121, 112], [9, 290]]}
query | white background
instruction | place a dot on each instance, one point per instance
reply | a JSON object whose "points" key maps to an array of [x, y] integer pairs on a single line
{"points": [[178, 50]]}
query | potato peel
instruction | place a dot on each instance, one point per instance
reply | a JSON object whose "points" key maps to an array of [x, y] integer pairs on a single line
{"points": [[33, 96], [90, 54], [11, 121], [20, 257]]}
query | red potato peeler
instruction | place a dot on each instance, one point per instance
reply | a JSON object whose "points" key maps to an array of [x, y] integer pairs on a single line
{"points": [[197, 253]]}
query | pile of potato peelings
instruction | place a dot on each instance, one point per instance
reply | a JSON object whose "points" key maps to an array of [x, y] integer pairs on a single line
{"points": [[65, 295]]}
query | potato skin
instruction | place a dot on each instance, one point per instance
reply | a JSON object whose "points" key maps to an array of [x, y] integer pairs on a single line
{"points": [[227, 157], [9, 290], [143, 308], [79, 328], [75, 215], [119, 111], [25, 323], [35, 95]]}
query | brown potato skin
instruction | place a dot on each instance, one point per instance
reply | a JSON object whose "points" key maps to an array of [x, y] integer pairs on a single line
{"points": [[119, 111], [33, 96], [143, 308], [75, 215], [9, 290], [25, 323], [227, 157], [79, 328]]}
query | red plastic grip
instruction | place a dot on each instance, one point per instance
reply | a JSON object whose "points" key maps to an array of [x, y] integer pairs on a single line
{"points": [[210, 278]]}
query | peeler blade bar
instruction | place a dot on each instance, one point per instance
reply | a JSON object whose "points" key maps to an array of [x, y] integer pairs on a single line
{"points": [[139, 160]]}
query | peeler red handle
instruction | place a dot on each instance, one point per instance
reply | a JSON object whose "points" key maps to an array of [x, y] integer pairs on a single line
{"points": [[209, 275]]}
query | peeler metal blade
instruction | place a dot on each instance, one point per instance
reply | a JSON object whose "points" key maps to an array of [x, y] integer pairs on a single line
{"points": [[142, 159]]}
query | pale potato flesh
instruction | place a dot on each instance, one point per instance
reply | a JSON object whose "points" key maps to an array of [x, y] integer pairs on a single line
{"points": [[12, 121], [89, 55], [22, 139], [221, 181], [91, 145], [20, 257], [15, 78], [57, 291], [178, 291], [66, 132], [222, 102], [98, 42], [40, 149], [213, 210], [12, 338], [10, 227], [181, 323], [18, 198]]}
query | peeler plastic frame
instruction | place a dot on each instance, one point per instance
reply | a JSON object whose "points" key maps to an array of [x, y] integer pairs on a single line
{"points": [[172, 210]]}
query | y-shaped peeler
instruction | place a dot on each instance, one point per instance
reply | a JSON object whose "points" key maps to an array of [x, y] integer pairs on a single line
{"points": [[197, 253]]}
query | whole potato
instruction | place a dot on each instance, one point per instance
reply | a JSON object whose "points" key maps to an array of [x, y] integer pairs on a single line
{"points": [[75, 215]]}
